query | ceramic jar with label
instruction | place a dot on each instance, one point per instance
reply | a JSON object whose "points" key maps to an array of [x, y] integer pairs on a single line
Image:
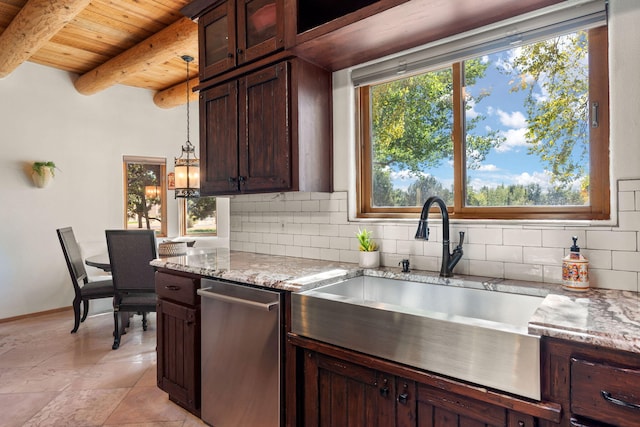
{"points": [[575, 269]]}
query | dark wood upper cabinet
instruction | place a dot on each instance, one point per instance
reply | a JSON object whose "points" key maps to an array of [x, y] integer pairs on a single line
{"points": [[236, 32], [268, 130], [340, 34]]}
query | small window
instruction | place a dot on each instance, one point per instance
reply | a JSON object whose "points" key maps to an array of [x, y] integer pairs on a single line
{"points": [[199, 217], [145, 194], [520, 132]]}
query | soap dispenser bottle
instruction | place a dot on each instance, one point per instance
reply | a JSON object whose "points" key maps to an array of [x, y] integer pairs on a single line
{"points": [[575, 269]]}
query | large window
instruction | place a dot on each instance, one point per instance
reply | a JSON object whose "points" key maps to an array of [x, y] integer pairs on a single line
{"points": [[513, 132], [145, 194], [199, 217]]}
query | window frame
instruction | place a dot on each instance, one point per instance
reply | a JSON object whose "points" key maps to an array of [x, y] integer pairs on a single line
{"points": [[183, 221], [599, 186], [160, 161]]}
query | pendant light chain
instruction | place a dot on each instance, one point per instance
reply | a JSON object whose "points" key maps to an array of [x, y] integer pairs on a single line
{"points": [[188, 59]]}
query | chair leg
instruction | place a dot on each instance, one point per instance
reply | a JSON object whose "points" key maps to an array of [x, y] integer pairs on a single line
{"points": [[144, 320], [85, 310], [116, 330], [76, 314]]}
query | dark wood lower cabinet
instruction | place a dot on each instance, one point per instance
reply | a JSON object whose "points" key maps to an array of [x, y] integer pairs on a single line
{"points": [[596, 386], [345, 388], [178, 339]]}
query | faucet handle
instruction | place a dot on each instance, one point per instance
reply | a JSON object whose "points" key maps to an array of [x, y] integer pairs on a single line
{"points": [[461, 239]]}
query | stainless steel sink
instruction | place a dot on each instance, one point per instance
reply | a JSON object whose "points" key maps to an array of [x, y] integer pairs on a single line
{"points": [[474, 335]]}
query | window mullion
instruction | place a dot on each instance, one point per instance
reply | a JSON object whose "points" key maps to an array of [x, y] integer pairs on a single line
{"points": [[459, 170]]}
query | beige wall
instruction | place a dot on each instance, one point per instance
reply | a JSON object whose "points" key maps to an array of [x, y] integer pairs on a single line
{"points": [[44, 118]]}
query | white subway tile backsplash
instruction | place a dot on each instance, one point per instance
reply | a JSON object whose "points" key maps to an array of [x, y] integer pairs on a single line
{"points": [[627, 201], [315, 225], [504, 253], [329, 205], [389, 246], [486, 268], [270, 238], [397, 232], [285, 239], [614, 240], [515, 237], [302, 217], [485, 236], [310, 206], [552, 274], [597, 258], [319, 196], [330, 254], [428, 263], [320, 241], [278, 250], [263, 248], [310, 229], [544, 256], [302, 240], [614, 279], [409, 247], [329, 230], [561, 238], [532, 272], [341, 242], [629, 185], [626, 261], [474, 251], [349, 256], [629, 220]]}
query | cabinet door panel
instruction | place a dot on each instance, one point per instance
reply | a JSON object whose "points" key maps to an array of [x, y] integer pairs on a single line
{"points": [[218, 140], [217, 35], [265, 143], [178, 366], [441, 408], [260, 28], [338, 393]]}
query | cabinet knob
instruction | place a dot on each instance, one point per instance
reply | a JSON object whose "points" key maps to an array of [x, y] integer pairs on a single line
{"points": [[384, 391], [403, 398], [230, 54], [231, 180], [242, 179], [239, 51]]}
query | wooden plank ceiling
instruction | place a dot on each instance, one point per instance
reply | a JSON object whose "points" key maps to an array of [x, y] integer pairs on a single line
{"points": [[136, 43]]}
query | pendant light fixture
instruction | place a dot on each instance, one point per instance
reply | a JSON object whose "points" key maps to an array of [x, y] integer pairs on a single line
{"points": [[187, 166]]}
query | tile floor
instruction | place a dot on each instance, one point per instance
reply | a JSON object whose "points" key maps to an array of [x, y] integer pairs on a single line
{"points": [[50, 377]]}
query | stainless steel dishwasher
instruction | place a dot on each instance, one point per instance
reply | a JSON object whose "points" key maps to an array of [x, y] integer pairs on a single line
{"points": [[241, 345]]}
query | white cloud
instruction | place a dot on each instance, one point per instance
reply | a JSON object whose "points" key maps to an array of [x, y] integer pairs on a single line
{"points": [[514, 138], [471, 113], [513, 120], [487, 168]]}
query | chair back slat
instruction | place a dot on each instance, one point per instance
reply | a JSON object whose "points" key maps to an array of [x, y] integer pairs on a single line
{"points": [[130, 252], [72, 254]]}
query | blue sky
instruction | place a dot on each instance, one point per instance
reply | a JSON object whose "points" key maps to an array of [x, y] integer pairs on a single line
{"points": [[504, 111]]}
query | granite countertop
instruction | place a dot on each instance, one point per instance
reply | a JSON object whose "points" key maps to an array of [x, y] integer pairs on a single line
{"points": [[603, 317]]}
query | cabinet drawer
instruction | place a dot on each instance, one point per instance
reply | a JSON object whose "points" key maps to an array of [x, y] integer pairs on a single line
{"points": [[177, 288], [606, 393]]}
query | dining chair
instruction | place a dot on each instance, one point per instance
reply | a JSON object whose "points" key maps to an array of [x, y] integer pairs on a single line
{"points": [[130, 252], [85, 290]]}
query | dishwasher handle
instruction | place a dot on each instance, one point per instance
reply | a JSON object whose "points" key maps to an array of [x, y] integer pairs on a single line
{"points": [[265, 306]]}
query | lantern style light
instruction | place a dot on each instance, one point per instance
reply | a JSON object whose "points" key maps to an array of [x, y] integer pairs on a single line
{"points": [[187, 166]]}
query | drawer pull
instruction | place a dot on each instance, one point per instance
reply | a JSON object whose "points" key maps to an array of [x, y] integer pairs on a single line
{"points": [[172, 287], [607, 396]]}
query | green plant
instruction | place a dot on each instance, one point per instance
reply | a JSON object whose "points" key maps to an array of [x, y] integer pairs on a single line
{"points": [[366, 243], [38, 167]]}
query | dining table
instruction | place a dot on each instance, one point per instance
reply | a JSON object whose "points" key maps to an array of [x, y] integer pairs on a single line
{"points": [[100, 261]]}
